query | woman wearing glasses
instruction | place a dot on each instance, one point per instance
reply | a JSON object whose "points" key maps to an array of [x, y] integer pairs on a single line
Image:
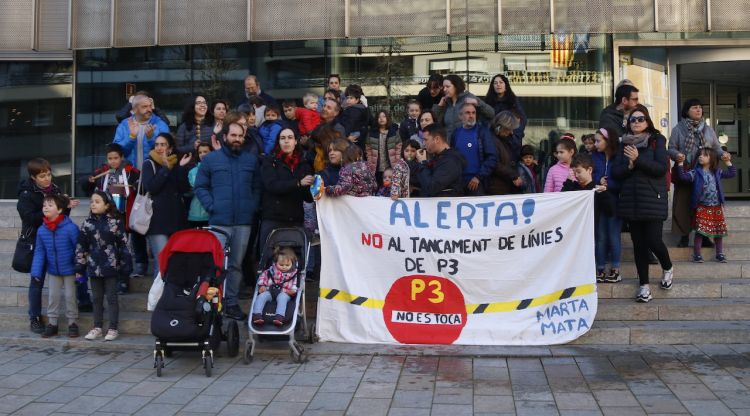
{"points": [[197, 126], [641, 167]]}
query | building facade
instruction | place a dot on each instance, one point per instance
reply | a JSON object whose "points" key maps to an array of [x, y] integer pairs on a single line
{"points": [[66, 66]]}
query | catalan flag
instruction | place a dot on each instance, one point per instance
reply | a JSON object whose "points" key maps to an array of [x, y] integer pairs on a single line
{"points": [[561, 51]]}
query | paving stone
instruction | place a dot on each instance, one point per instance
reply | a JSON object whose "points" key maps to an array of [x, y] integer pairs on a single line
{"points": [[37, 409], [17, 380], [270, 381], [692, 392], [375, 390], [306, 379], [493, 404], [369, 406], [296, 394], [707, 407], [493, 387], [62, 395], [735, 399], [131, 404], [89, 379], [241, 410], [158, 409], [11, 402], [453, 396], [175, 395], [400, 411], [716, 383], [661, 404], [623, 411], [256, 396], [85, 404], [330, 401], [110, 389], [206, 404], [340, 384], [533, 408], [451, 410], [575, 401], [615, 398], [412, 398], [532, 393], [416, 382], [532, 378]]}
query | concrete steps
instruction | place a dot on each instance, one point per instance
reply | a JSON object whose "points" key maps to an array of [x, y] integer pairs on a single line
{"points": [[16, 318], [681, 289], [667, 332]]}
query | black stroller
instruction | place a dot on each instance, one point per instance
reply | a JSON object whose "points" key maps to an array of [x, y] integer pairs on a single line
{"points": [[296, 314], [188, 315]]}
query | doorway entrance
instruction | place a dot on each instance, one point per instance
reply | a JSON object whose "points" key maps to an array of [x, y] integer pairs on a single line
{"points": [[724, 90]]}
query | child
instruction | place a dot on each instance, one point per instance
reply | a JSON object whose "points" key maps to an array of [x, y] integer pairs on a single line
{"points": [[270, 128], [561, 171], [527, 170], [55, 253], [385, 190], [588, 144], [409, 155], [290, 108], [102, 254], [280, 278], [355, 118], [409, 126], [608, 227], [31, 193], [707, 200], [197, 215], [355, 177], [308, 117]]}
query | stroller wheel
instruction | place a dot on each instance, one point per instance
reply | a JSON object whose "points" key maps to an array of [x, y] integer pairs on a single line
{"points": [[233, 339], [247, 355], [208, 362], [312, 337], [158, 363]]}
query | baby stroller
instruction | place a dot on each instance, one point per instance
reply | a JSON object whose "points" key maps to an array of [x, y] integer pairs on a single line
{"points": [[187, 316], [296, 317]]}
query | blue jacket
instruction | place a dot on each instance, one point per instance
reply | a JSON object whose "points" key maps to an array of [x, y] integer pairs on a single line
{"points": [[269, 131], [55, 249], [122, 137], [487, 151], [228, 186], [603, 167], [697, 179]]}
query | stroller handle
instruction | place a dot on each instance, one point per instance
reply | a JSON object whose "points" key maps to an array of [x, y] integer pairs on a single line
{"points": [[216, 230]]}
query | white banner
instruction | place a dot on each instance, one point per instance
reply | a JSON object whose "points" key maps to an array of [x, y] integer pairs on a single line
{"points": [[501, 270]]}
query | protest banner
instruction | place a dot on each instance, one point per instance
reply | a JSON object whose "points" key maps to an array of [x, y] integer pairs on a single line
{"points": [[500, 270]]}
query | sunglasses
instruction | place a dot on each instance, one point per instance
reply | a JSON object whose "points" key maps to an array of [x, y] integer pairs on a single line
{"points": [[639, 119]]}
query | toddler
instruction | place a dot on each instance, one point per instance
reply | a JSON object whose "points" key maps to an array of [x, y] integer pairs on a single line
{"points": [[279, 281]]}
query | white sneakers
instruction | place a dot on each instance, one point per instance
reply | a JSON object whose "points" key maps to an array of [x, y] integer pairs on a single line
{"points": [[644, 294], [666, 279], [644, 291], [97, 333]]}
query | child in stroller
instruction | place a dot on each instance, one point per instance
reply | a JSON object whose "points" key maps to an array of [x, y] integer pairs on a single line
{"points": [[279, 282]]}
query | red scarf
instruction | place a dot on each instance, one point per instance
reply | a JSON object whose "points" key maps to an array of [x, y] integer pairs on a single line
{"points": [[290, 160], [52, 225]]}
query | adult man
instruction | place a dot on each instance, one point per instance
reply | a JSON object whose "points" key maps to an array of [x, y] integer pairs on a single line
{"points": [[329, 116], [137, 133], [127, 110], [442, 175], [252, 88], [476, 145], [228, 186], [614, 115]]}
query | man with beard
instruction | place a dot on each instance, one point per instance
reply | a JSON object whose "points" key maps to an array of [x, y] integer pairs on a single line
{"points": [[137, 133], [475, 143], [252, 89], [440, 176], [228, 186]]}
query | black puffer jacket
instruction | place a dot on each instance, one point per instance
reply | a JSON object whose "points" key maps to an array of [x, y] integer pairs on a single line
{"points": [[442, 176], [643, 191], [102, 248], [282, 197], [166, 187], [29, 206]]}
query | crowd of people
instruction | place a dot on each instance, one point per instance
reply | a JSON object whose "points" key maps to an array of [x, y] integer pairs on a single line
{"points": [[247, 170]]}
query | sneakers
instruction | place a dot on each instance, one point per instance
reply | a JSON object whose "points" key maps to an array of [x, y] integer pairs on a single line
{"points": [[600, 276], [666, 279], [234, 312], [258, 319], [697, 258], [613, 276], [112, 335], [50, 331], [35, 324], [644, 294], [73, 331], [721, 258], [94, 334], [278, 320]]}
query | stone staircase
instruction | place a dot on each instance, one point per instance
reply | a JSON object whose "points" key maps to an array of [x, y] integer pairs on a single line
{"points": [[709, 303]]}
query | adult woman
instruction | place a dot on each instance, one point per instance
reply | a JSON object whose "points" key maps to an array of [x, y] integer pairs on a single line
{"points": [[424, 120], [502, 98], [286, 184], [640, 167], [219, 112], [336, 152], [432, 92], [197, 125], [688, 136], [383, 147], [448, 109], [166, 180], [504, 179]]}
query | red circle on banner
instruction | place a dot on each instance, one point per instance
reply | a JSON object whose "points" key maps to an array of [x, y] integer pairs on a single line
{"points": [[423, 309]]}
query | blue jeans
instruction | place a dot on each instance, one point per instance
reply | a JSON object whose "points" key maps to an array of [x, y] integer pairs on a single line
{"points": [[239, 237], [281, 300], [157, 243], [140, 255], [608, 242]]}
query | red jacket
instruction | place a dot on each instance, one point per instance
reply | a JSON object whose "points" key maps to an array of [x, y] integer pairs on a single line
{"points": [[307, 120]]}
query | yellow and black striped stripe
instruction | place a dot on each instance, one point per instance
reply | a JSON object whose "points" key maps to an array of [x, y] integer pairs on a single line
{"points": [[475, 309]]}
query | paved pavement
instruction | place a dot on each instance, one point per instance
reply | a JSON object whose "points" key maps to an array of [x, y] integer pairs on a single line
{"points": [[712, 380]]}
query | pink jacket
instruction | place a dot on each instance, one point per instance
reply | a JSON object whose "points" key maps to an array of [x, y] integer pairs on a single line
{"points": [[556, 176]]}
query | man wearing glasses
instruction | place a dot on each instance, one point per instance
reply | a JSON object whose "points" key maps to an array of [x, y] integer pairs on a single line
{"points": [[615, 115]]}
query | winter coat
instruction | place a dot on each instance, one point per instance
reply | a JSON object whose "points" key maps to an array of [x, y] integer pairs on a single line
{"points": [[269, 131], [603, 167], [271, 276], [130, 146], [267, 100], [449, 114], [643, 190], [282, 195], [556, 177], [500, 180], [102, 248], [697, 179], [307, 120], [487, 151], [393, 145], [408, 128], [131, 177], [356, 118], [254, 142], [612, 118], [414, 186], [426, 100], [515, 108], [330, 175], [442, 176], [166, 187], [530, 178], [400, 180], [29, 206], [355, 179], [125, 112], [196, 212], [677, 143], [55, 251], [228, 186], [187, 135]]}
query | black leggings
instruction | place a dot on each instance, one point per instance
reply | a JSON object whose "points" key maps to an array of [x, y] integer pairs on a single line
{"points": [[103, 287], [646, 236]]}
